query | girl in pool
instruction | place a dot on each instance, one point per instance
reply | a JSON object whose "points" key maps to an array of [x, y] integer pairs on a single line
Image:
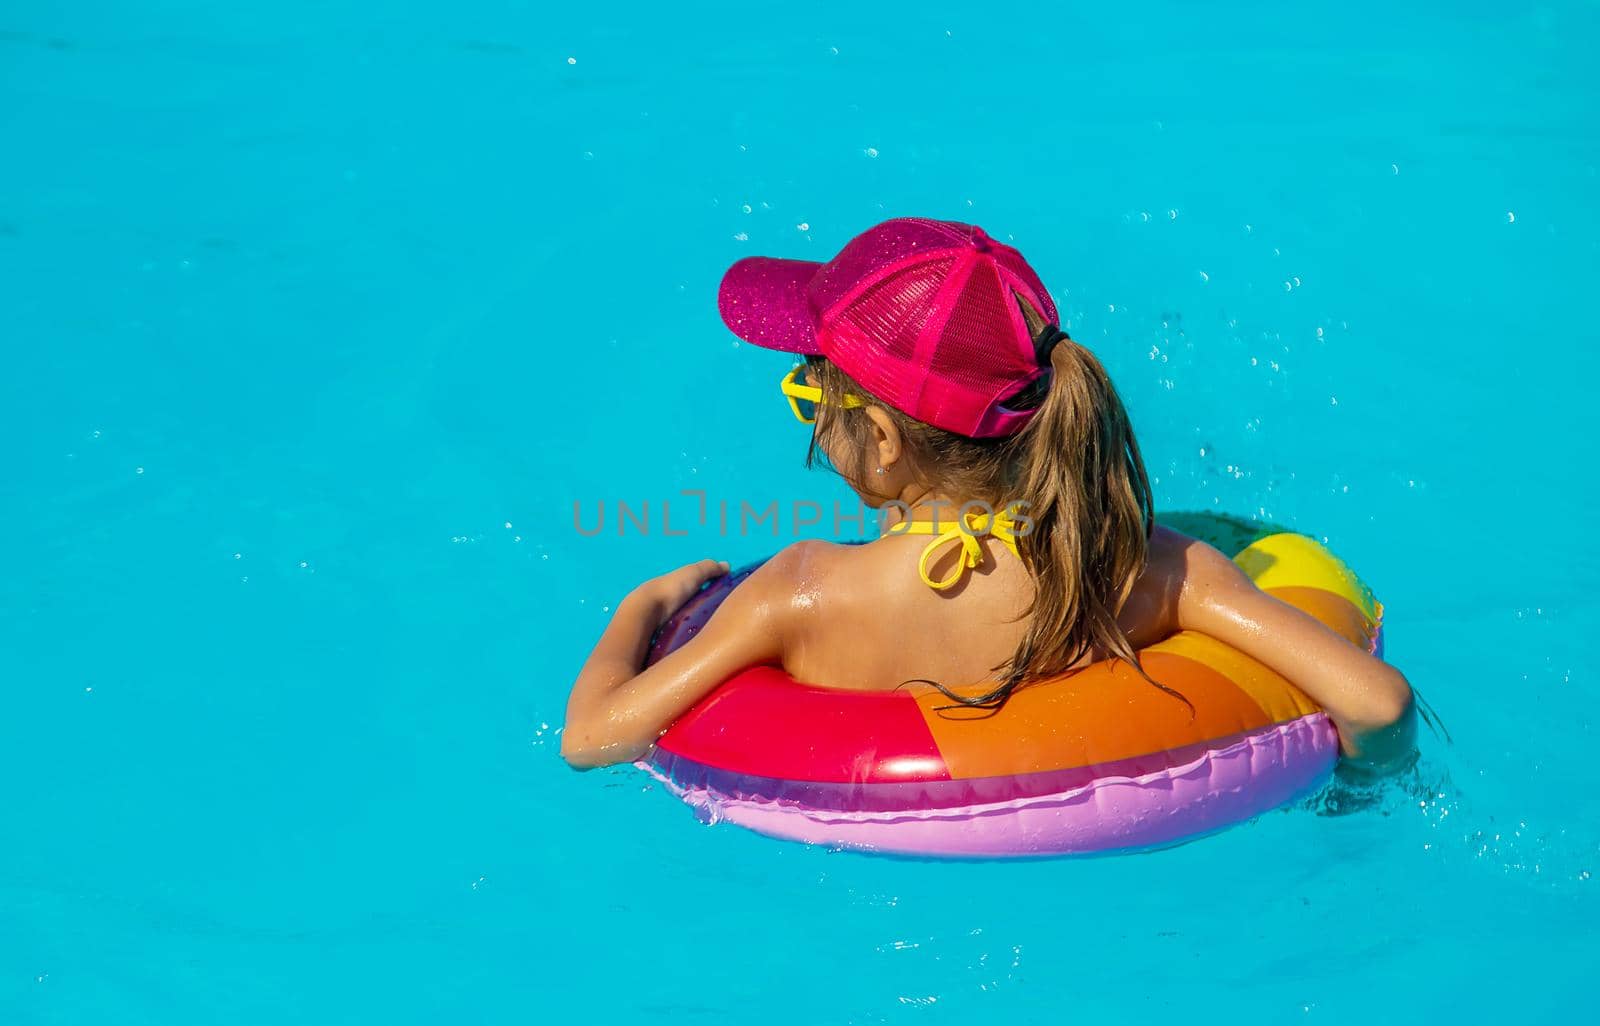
{"points": [[935, 376]]}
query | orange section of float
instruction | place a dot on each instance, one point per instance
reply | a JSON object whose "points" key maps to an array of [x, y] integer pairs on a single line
{"points": [[1103, 713], [1335, 612], [1279, 699], [1107, 712]]}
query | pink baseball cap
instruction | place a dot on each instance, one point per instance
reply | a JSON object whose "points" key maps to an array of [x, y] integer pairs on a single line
{"points": [[919, 312]]}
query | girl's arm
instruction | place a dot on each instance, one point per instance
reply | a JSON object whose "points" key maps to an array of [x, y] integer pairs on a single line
{"points": [[1368, 700], [618, 710]]}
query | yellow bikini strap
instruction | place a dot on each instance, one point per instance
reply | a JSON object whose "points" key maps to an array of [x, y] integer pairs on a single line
{"points": [[966, 530]]}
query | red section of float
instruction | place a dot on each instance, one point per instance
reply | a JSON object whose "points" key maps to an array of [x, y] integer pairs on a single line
{"points": [[764, 724]]}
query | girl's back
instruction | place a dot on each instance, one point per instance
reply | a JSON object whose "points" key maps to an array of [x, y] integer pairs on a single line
{"points": [[874, 624]]}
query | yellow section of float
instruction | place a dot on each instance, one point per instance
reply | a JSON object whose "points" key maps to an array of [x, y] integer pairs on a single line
{"points": [[1294, 561]]}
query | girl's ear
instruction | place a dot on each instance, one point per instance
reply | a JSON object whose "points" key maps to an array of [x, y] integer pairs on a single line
{"points": [[884, 445]]}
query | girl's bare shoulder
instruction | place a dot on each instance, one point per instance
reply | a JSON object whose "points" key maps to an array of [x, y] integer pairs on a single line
{"points": [[1177, 567], [806, 568], [824, 579], [1176, 556]]}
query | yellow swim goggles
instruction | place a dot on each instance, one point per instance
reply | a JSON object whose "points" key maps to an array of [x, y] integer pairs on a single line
{"points": [[804, 398]]}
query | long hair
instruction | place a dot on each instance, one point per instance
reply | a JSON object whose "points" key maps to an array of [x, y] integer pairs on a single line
{"points": [[1077, 466]]}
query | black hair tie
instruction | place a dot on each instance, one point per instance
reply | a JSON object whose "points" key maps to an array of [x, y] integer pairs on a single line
{"points": [[1045, 344]]}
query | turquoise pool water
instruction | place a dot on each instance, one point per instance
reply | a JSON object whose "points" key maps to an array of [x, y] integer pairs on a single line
{"points": [[293, 432]]}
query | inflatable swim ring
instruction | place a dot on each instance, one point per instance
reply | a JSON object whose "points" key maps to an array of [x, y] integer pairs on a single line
{"points": [[1093, 762]]}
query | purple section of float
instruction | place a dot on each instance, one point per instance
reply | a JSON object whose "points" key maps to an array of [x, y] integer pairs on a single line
{"points": [[688, 774], [687, 621], [1218, 787]]}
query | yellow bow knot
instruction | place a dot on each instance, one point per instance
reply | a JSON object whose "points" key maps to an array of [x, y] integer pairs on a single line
{"points": [[967, 530]]}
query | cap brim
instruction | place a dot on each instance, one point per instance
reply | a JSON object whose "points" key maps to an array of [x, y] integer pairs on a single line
{"points": [[763, 301]]}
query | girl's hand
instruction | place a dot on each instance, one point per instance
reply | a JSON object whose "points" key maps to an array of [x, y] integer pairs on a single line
{"points": [[665, 594]]}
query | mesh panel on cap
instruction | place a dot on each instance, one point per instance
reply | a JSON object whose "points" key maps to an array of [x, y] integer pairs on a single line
{"points": [[891, 313], [1013, 262], [979, 348]]}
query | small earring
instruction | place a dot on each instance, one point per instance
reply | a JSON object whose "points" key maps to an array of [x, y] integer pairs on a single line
{"points": [[882, 471]]}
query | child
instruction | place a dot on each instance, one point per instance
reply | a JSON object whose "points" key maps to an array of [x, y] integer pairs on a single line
{"points": [[934, 376]]}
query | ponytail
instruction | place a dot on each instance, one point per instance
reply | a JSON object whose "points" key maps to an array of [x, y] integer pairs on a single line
{"points": [[1089, 502]]}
